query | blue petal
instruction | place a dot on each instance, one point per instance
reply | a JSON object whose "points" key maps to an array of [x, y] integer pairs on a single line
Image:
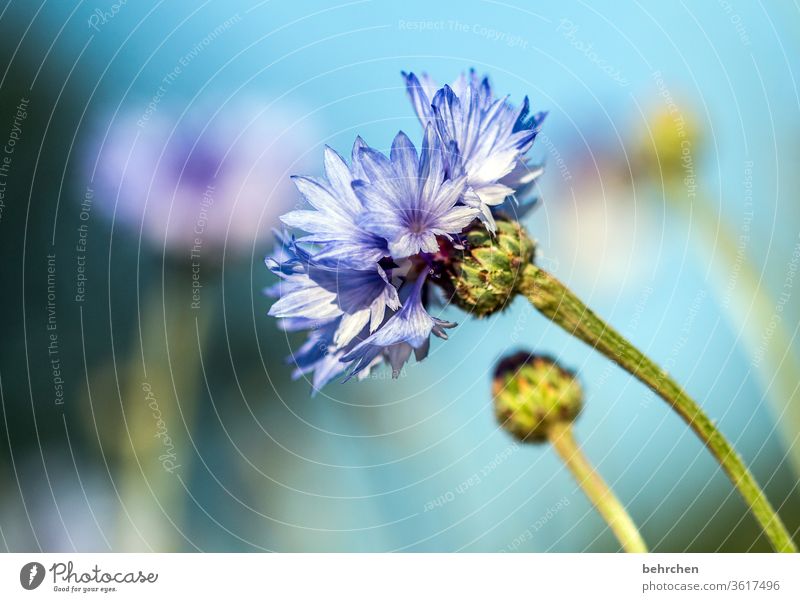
{"points": [[405, 164], [355, 167], [361, 249], [315, 357], [381, 176], [333, 223], [354, 289], [323, 199], [318, 290], [305, 300], [419, 98], [339, 177], [410, 328]]}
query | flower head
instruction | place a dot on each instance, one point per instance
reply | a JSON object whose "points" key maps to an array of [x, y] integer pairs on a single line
{"points": [[484, 278], [384, 230], [533, 392], [489, 137], [373, 234], [407, 199]]}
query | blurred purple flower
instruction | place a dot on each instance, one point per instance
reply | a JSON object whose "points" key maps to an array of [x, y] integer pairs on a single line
{"points": [[213, 177]]}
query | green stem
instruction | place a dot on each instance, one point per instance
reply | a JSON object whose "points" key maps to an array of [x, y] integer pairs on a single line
{"points": [[599, 493], [560, 305]]}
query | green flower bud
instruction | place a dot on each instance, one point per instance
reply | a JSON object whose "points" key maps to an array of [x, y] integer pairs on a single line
{"points": [[531, 393], [484, 279], [667, 149]]}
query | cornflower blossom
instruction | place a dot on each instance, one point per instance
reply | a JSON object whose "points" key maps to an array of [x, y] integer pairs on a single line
{"points": [[491, 135], [382, 231]]}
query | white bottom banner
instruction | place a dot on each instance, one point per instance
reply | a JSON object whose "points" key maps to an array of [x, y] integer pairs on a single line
{"points": [[402, 577]]}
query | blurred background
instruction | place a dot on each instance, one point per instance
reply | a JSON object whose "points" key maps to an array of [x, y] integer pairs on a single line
{"points": [[146, 403]]}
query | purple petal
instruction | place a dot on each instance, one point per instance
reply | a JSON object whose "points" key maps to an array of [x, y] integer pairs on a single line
{"points": [[420, 99], [412, 326]]}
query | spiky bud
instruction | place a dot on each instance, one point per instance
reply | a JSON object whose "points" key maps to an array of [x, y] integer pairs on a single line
{"points": [[531, 393], [483, 279]]}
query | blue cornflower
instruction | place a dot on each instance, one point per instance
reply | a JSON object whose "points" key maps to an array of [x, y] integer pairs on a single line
{"points": [[373, 231], [383, 230], [407, 199], [489, 138]]}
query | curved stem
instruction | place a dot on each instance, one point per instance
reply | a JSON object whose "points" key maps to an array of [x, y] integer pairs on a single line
{"points": [[599, 493], [560, 305]]}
